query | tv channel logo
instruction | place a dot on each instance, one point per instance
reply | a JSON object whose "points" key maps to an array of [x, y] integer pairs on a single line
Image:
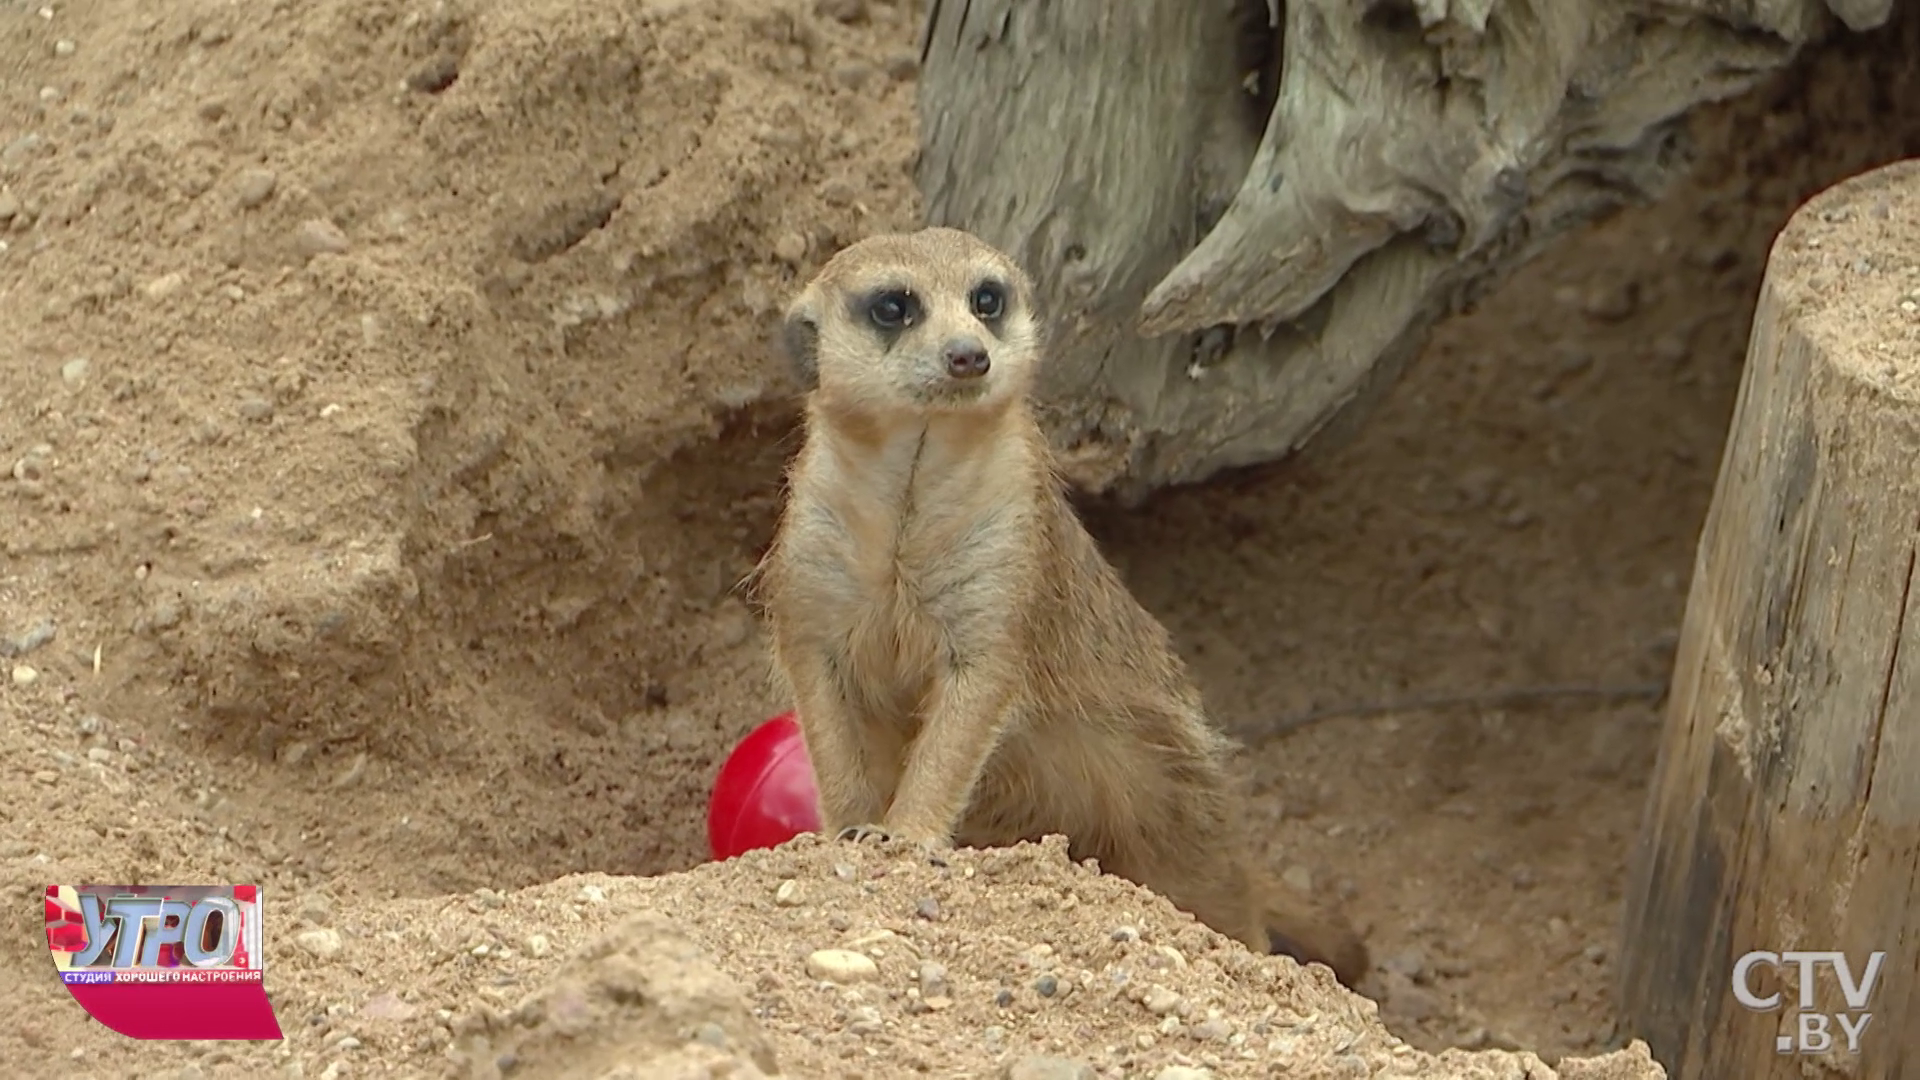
{"points": [[1813, 1030], [163, 961]]}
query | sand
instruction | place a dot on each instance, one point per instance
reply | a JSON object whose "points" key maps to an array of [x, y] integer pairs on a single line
{"points": [[387, 415]]}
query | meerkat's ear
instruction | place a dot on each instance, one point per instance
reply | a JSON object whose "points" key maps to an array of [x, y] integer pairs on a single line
{"points": [[800, 342]]}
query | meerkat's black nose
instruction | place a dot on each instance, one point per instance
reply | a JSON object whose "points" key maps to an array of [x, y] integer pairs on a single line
{"points": [[966, 359]]}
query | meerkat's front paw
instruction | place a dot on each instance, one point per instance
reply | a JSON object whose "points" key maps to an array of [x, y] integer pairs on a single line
{"points": [[857, 834], [934, 849]]}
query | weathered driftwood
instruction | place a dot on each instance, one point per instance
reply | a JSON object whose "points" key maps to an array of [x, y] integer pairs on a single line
{"points": [[1244, 214], [1785, 811]]}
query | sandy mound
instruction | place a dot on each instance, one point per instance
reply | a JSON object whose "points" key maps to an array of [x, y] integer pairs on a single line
{"points": [[386, 416], [822, 959]]}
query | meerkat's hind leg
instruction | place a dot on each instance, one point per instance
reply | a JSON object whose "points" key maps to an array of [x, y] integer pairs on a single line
{"points": [[1311, 935], [1219, 883], [1200, 879]]}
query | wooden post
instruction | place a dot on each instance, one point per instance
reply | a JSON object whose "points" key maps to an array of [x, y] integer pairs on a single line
{"points": [[1785, 810]]}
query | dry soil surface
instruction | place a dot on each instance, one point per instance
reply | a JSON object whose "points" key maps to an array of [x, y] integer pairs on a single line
{"points": [[386, 417]]}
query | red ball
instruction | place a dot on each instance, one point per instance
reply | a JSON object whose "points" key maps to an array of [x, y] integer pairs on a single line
{"points": [[764, 795]]}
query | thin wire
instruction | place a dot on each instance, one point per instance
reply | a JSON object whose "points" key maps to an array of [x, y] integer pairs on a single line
{"points": [[1519, 695]]}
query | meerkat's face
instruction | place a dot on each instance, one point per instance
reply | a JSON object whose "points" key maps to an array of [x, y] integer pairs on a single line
{"points": [[935, 320]]}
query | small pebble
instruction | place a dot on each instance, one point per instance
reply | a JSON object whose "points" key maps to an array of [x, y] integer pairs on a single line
{"points": [[1211, 1029], [1409, 1001], [853, 76], [352, 773], [593, 894], [1299, 879], [9, 205], [865, 1020], [323, 943], [1004, 999], [790, 248], [164, 286], [257, 410], [1125, 933], [711, 1034], [74, 370], [24, 675], [1612, 303], [902, 67], [841, 966], [64, 47], [933, 981], [315, 908], [1046, 986], [788, 894], [1412, 963], [1038, 1067], [255, 187], [22, 148], [537, 945], [318, 236], [928, 908], [1161, 1001], [42, 633], [388, 1006]]}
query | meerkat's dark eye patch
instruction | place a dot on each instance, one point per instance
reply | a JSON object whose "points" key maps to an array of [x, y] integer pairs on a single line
{"points": [[988, 300], [890, 309]]}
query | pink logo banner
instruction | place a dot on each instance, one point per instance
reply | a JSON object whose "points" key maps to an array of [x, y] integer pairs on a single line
{"points": [[163, 961]]}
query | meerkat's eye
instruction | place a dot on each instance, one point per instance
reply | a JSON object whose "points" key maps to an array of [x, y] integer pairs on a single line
{"points": [[989, 300], [891, 310]]}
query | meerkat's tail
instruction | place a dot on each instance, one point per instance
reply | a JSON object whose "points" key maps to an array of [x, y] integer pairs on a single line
{"points": [[1302, 929]]}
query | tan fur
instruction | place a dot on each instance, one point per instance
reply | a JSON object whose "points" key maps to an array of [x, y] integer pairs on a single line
{"points": [[966, 666]]}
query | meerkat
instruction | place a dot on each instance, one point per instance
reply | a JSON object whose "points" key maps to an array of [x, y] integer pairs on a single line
{"points": [[967, 668]]}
